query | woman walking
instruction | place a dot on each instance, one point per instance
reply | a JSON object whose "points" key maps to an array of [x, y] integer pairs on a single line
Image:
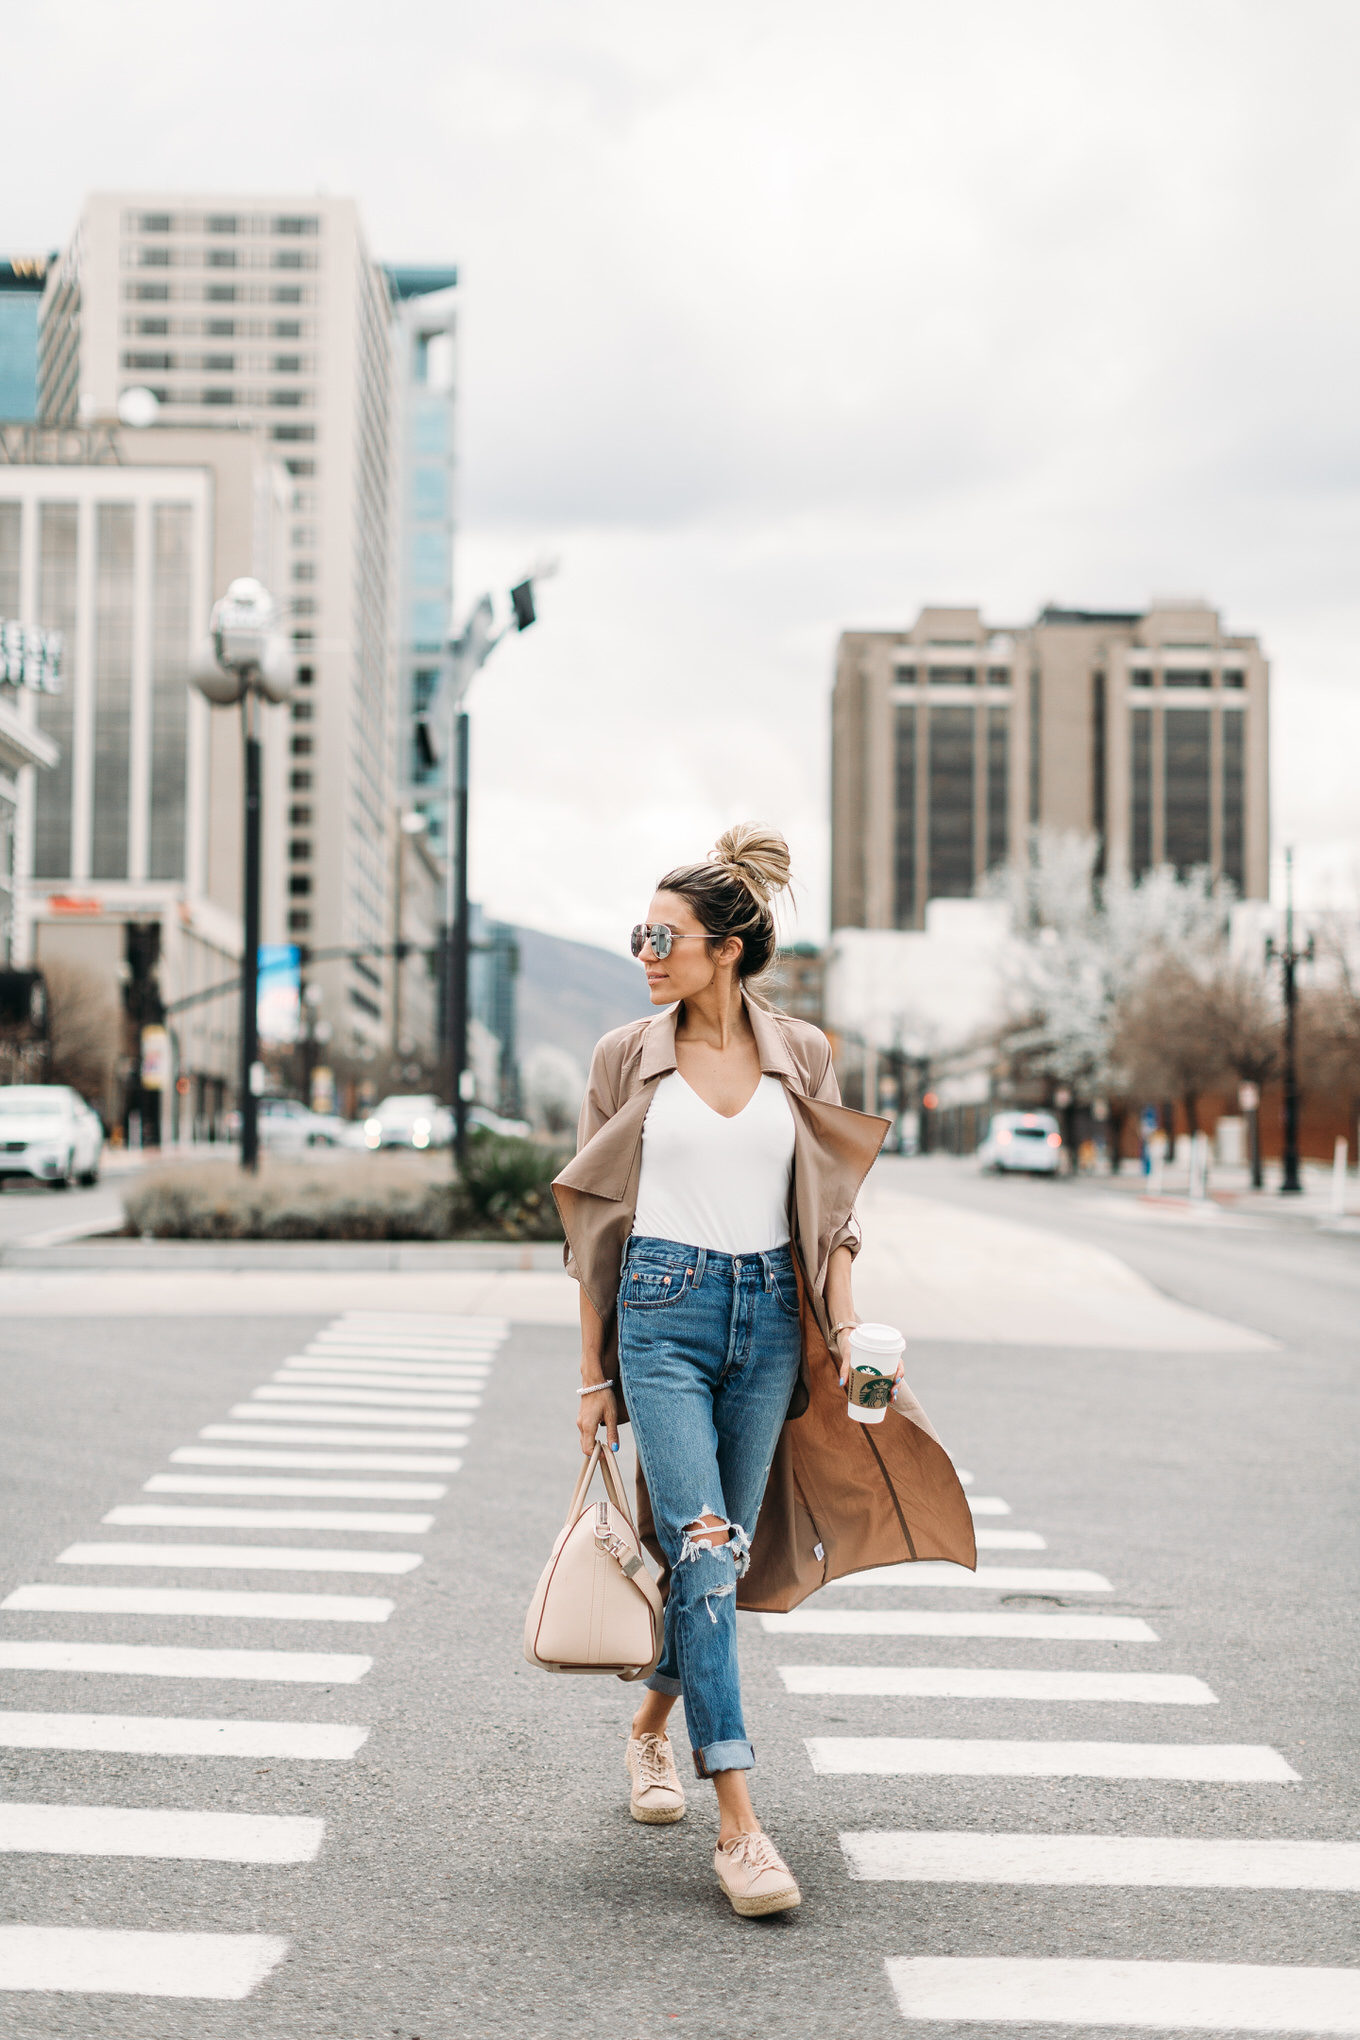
{"points": [[709, 1220]]}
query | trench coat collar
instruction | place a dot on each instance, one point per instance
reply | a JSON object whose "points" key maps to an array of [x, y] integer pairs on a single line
{"points": [[658, 1045]]}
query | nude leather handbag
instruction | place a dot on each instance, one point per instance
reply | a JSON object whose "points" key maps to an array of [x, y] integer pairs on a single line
{"points": [[596, 1607]]}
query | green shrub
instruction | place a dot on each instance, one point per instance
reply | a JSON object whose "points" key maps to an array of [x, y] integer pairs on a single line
{"points": [[504, 1195]]}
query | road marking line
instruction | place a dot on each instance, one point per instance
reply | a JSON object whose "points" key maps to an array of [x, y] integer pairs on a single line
{"points": [[368, 1398], [149, 1516], [475, 1351], [144, 1735], [337, 1462], [914, 1622], [440, 1320], [163, 1661], [307, 1434], [241, 1557], [1142, 1860], [1009, 1540], [1239, 1997], [944, 1682], [195, 1601], [365, 1374], [245, 1484], [177, 1836], [377, 1410], [988, 1505], [88, 1959], [890, 1756], [1016, 1579]]}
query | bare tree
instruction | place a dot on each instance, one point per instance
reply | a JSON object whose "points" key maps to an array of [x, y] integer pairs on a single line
{"points": [[86, 1028], [1167, 1038], [1241, 1011]]}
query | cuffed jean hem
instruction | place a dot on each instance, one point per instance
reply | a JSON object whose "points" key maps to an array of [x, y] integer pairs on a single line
{"points": [[724, 1756], [659, 1683]]}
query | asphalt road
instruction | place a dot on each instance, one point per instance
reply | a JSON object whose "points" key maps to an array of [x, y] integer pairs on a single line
{"points": [[478, 1873]]}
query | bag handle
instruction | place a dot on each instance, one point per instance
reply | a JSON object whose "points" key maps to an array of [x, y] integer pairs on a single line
{"points": [[613, 1486]]}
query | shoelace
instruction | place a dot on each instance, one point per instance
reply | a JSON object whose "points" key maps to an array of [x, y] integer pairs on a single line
{"points": [[755, 1852], [651, 1759]]}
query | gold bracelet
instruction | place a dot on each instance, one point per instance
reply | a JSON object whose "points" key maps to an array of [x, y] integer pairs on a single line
{"points": [[846, 1325]]}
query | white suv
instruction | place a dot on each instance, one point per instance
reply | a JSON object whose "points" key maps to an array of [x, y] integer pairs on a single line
{"points": [[1022, 1143], [47, 1131]]}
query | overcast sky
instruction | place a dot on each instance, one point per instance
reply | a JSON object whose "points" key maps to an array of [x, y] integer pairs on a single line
{"points": [[782, 318]]}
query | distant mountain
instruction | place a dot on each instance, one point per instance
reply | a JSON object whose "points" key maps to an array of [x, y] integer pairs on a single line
{"points": [[570, 993]]}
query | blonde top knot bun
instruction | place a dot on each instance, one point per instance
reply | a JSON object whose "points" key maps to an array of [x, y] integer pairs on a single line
{"points": [[757, 857]]}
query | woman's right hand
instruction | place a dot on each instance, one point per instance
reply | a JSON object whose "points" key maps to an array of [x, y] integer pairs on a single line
{"points": [[594, 1410]]}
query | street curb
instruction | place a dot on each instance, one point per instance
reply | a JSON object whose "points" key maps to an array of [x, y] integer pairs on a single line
{"points": [[292, 1256]]}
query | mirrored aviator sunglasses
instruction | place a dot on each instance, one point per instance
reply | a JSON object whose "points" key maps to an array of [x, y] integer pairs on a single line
{"points": [[661, 938]]}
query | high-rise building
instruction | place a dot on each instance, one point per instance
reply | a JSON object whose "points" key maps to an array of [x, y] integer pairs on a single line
{"points": [[952, 739], [128, 849], [270, 313], [22, 278]]}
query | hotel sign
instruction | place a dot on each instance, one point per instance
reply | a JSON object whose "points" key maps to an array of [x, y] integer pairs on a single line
{"points": [[30, 657]]}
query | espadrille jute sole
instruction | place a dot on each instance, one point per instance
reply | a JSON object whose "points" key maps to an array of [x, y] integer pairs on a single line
{"points": [[660, 1816], [769, 1902]]}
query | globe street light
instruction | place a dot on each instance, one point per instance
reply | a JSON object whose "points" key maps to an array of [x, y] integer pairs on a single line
{"points": [[245, 658]]}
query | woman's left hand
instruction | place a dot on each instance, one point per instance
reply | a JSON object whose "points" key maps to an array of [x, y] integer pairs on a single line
{"points": [[843, 1354]]}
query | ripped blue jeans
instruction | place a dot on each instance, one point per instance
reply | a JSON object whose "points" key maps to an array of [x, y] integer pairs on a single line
{"points": [[709, 1348]]}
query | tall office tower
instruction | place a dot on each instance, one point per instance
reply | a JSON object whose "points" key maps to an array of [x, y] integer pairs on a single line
{"points": [[270, 312], [951, 740], [22, 278]]}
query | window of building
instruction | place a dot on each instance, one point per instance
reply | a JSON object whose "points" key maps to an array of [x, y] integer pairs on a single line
{"points": [[1036, 756], [304, 570], [220, 364], [1234, 679], [303, 534], [220, 293], [302, 747], [296, 223], [114, 544], [305, 674], [287, 399], [1234, 799], [299, 884], [952, 676], [1098, 747], [1187, 788], [153, 258], [153, 326], [1141, 676], [57, 538], [171, 598], [904, 818], [220, 258], [998, 786], [148, 291], [287, 364], [366, 970], [300, 816], [221, 329], [286, 294], [302, 711], [144, 360], [222, 223], [300, 850], [907, 675], [364, 1004], [949, 820], [287, 329], [292, 258], [292, 432], [1184, 679], [211, 397], [998, 676], [303, 605], [1140, 807], [300, 468], [299, 921], [154, 223], [300, 782]]}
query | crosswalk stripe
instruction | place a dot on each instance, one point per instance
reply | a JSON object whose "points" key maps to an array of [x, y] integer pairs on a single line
{"points": [[146, 1735], [919, 1622], [988, 1505], [1009, 1540], [369, 1363], [1134, 1860], [1012, 1579], [945, 1682], [336, 1462], [372, 1377], [890, 1756], [118, 1963], [1241, 1997], [374, 1412], [150, 1516], [328, 1352], [241, 1557], [368, 1398], [170, 1834], [248, 1484], [164, 1661], [252, 1607], [307, 1434], [405, 1348]]}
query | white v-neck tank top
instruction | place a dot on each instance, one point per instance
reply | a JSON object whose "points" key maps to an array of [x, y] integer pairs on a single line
{"points": [[714, 1182]]}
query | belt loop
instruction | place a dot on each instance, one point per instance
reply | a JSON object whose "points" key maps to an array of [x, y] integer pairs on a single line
{"points": [[769, 1272], [699, 1262]]}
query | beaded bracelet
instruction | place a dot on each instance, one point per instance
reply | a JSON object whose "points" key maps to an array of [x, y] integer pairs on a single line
{"points": [[595, 1388]]}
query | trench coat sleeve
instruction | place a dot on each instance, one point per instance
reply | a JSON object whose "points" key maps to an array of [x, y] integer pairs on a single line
{"points": [[828, 1092], [599, 1105]]}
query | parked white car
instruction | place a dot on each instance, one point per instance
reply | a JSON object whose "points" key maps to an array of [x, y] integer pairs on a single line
{"points": [[1022, 1143], [286, 1126], [48, 1132], [414, 1122]]}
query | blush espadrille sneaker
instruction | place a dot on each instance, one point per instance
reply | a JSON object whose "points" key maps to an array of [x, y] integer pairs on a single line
{"points": [[658, 1797], [755, 1876]]}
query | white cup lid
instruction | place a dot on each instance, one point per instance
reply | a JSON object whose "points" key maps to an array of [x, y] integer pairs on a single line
{"points": [[878, 1339]]}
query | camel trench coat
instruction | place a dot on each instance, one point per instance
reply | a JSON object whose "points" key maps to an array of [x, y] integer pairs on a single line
{"points": [[841, 1496]]}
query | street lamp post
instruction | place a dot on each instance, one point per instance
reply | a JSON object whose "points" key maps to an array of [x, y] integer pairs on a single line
{"points": [[1289, 958], [245, 659], [442, 733]]}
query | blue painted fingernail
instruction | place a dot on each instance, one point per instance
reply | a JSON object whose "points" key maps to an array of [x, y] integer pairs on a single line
{"points": [[614, 1447]]}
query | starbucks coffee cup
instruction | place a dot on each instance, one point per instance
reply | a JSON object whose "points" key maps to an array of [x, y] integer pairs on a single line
{"points": [[874, 1353]]}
